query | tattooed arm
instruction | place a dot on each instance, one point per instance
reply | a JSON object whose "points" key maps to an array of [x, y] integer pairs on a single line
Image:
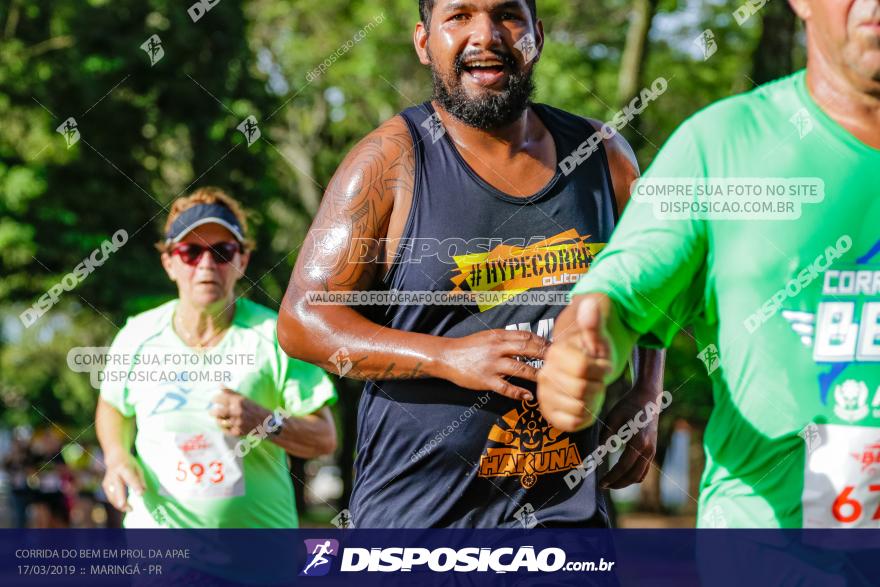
{"points": [[364, 208]]}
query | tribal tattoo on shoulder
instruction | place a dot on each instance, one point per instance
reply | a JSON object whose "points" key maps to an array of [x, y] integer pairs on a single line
{"points": [[342, 250]]}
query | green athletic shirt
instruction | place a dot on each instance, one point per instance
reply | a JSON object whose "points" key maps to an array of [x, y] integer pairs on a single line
{"points": [[196, 476], [786, 311]]}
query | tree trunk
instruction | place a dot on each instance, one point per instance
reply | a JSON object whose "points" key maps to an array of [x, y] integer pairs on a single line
{"points": [[302, 166], [773, 56], [298, 141], [635, 51]]}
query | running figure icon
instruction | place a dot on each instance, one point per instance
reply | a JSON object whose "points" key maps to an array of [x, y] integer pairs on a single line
{"points": [[318, 553]]}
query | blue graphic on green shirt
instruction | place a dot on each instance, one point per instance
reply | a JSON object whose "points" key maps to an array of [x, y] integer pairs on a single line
{"points": [[840, 339]]}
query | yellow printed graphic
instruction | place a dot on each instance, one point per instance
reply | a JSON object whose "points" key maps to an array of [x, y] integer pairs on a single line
{"points": [[558, 260]]}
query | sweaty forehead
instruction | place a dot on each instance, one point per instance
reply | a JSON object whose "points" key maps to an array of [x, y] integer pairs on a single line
{"points": [[443, 6]]}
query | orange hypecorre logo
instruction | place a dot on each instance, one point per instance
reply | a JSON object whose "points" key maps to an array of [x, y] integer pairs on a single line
{"points": [[558, 260], [529, 447]]}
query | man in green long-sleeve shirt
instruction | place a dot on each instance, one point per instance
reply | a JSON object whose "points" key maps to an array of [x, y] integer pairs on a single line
{"points": [[786, 293]]}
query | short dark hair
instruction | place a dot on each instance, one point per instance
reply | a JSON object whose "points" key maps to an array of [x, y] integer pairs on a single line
{"points": [[426, 6]]}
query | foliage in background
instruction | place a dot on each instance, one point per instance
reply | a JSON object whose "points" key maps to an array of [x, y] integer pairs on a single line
{"points": [[151, 133]]}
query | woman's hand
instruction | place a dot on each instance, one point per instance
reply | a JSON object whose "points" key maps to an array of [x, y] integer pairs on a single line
{"points": [[236, 414], [123, 474]]}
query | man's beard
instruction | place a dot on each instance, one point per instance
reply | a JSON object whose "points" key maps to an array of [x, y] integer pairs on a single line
{"points": [[491, 110]]}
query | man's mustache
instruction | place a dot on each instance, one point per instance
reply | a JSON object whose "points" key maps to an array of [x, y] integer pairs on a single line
{"points": [[506, 58]]}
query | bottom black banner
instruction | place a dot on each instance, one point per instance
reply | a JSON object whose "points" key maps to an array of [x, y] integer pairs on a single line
{"points": [[440, 557]]}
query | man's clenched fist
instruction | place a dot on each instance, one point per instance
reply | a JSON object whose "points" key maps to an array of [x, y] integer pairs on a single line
{"points": [[571, 384]]}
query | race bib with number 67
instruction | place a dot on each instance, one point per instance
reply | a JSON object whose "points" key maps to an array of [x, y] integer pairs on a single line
{"points": [[842, 477]]}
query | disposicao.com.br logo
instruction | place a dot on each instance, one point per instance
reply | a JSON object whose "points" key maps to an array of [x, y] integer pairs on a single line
{"points": [[441, 560], [321, 553]]}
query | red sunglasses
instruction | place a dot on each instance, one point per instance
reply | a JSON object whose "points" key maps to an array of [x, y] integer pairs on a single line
{"points": [[222, 253]]}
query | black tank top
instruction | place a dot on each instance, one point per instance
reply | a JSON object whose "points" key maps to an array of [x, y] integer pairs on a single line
{"points": [[430, 453]]}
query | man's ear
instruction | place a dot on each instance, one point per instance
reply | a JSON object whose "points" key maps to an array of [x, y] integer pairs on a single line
{"points": [[539, 37], [801, 8], [420, 41]]}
